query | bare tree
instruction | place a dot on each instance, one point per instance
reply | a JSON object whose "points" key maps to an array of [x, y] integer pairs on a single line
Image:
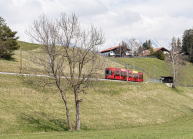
{"points": [[175, 61], [122, 49], [71, 53], [133, 46]]}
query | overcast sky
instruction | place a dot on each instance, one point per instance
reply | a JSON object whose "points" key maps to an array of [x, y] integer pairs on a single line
{"points": [[118, 18]]}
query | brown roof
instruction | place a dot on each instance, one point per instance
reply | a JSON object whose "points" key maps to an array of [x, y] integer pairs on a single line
{"points": [[109, 49], [160, 48], [147, 52]]}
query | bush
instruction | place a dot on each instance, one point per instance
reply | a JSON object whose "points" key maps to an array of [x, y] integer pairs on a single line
{"points": [[159, 54]]}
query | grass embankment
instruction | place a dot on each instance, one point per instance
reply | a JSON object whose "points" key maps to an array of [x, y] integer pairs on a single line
{"points": [[161, 68], [30, 50], [112, 109]]}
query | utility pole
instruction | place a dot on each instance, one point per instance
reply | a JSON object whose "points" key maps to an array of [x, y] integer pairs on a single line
{"points": [[20, 59], [127, 71], [149, 72], [154, 73], [185, 81], [133, 65], [120, 49], [50, 60], [104, 66], [96, 68]]}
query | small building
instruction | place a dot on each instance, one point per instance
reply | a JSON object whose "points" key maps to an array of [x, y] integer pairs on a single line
{"points": [[147, 52], [167, 80], [115, 52]]}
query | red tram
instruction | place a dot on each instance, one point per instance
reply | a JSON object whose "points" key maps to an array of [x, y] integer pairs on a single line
{"points": [[123, 74]]}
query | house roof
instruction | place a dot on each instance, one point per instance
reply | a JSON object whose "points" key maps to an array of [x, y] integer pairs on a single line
{"points": [[109, 49], [147, 52], [160, 48]]}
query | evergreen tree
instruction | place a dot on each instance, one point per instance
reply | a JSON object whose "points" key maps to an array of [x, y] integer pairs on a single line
{"points": [[187, 40], [145, 45], [149, 44], [8, 41]]}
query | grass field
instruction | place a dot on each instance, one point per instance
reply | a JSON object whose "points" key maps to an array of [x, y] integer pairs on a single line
{"points": [[177, 130], [152, 66], [160, 69], [110, 109]]}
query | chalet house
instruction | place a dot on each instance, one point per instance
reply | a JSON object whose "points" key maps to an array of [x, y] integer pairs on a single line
{"points": [[115, 52], [147, 52]]}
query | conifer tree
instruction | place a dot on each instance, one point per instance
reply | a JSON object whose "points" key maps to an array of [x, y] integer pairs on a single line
{"points": [[149, 44], [145, 45], [8, 41]]}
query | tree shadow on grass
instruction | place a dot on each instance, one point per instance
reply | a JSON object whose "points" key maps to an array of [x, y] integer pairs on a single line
{"points": [[40, 121], [10, 59]]}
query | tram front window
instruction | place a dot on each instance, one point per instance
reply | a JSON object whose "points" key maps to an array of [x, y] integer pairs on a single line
{"points": [[109, 72]]}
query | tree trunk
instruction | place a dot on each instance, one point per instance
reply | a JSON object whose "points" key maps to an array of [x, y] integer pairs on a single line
{"points": [[67, 114], [77, 112]]}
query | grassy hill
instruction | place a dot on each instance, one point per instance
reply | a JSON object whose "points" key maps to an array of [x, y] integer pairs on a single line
{"points": [[159, 67], [28, 66], [151, 66], [131, 109], [107, 106]]}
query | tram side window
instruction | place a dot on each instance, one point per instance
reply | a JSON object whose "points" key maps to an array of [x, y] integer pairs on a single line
{"points": [[117, 73], [140, 77], [109, 72], [130, 75], [135, 75], [123, 73]]}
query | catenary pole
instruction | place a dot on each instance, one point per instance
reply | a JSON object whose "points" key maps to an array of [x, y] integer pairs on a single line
{"points": [[20, 59], [104, 65]]}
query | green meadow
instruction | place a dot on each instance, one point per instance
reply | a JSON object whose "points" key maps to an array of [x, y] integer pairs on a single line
{"points": [[110, 109]]}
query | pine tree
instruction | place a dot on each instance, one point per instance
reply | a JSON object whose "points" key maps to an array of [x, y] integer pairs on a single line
{"points": [[149, 44], [187, 40], [8, 41], [145, 45]]}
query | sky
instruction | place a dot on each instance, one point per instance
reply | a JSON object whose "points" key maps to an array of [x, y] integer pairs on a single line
{"points": [[117, 18]]}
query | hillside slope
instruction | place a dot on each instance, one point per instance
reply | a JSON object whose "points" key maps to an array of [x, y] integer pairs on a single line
{"points": [[109, 105], [156, 67], [30, 50]]}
